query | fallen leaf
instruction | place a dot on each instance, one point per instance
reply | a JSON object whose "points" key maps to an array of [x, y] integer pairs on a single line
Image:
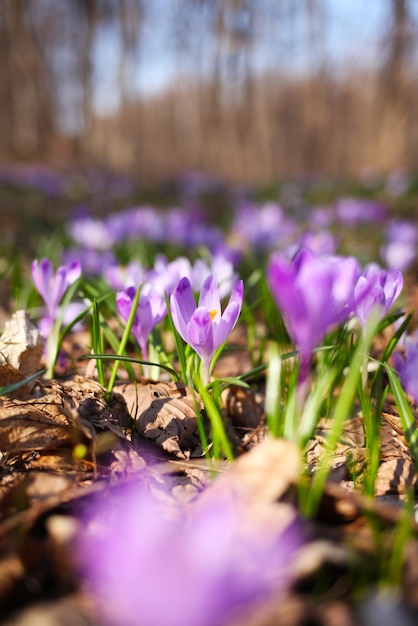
{"points": [[242, 407], [21, 344], [9, 375], [263, 475], [163, 412]]}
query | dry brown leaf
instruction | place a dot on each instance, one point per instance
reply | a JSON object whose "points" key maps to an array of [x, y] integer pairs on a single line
{"points": [[21, 344], [62, 417], [163, 412], [24, 428], [395, 476], [264, 474], [242, 406], [9, 375]]}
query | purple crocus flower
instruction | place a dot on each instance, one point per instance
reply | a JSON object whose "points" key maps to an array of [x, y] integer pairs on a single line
{"points": [[314, 293], [376, 290], [400, 248], [52, 286], [151, 310], [205, 328], [407, 366], [202, 566]]}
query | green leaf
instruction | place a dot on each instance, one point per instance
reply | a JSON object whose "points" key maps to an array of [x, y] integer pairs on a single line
{"points": [[129, 359]]}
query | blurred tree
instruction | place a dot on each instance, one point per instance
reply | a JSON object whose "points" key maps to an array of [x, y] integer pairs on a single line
{"points": [[253, 92], [399, 45]]}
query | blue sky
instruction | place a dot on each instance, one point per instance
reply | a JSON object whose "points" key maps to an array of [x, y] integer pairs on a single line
{"points": [[353, 29]]}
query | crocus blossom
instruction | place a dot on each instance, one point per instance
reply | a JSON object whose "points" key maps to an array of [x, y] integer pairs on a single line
{"points": [[376, 290], [198, 567], [52, 286], [204, 327], [151, 310], [313, 293]]}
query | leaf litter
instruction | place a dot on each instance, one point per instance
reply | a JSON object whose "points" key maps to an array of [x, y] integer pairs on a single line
{"points": [[63, 447]]}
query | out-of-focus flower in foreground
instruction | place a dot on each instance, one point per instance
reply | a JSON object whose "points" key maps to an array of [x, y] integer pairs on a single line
{"points": [[314, 293], [205, 328], [52, 287], [151, 310], [200, 566], [376, 290]]}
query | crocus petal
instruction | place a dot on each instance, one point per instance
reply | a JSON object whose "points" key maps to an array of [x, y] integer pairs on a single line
{"points": [[59, 286], [182, 307], [73, 310], [73, 271], [209, 298], [124, 304], [393, 286], [158, 306], [42, 275], [230, 315], [237, 294], [226, 324], [145, 323], [200, 333], [347, 272]]}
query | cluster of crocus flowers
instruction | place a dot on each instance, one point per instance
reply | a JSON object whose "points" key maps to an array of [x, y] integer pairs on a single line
{"points": [[204, 327]]}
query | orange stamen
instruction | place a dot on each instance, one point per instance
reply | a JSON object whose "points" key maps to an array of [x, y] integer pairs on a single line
{"points": [[213, 314]]}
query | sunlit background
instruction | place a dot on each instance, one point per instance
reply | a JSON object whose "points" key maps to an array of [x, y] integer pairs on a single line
{"points": [[249, 90]]}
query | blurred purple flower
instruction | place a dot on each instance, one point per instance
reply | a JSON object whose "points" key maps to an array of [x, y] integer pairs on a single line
{"points": [[52, 287], [165, 276], [190, 229], [407, 366], [264, 226], [203, 565], [91, 233], [398, 183], [400, 249], [376, 290], [320, 242], [151, 310], [321, 217], [142, 222], [37, 176], [353, 211], [121, 277], [205, 328], [313, 293], [93, 262]]}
